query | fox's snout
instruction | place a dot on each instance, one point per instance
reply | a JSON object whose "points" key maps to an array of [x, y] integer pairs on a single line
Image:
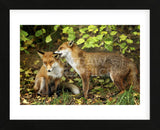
{"points": [[58, 52], [49, 68]]}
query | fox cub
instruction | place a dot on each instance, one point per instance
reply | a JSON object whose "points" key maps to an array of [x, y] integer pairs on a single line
{"points": [[121, 70], [51, 72]]}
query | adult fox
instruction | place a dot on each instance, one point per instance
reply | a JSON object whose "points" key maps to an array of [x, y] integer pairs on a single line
{"points": [[51, 72], [121, 70]]}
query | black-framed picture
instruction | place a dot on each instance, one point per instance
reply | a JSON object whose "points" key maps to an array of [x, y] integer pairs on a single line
{"points": [[126, 35], [20, 104]]}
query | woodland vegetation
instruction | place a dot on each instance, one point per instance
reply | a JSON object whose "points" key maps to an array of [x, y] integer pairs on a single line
{"points": [[122, 39]]}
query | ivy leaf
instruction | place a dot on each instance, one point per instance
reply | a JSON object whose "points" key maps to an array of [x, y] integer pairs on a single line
{"points": [[80, 41], [122, 37], [122, 45], [48, 39], [21, 70], [108, 42], [99, 37], [43, 30], [63, 78], [108, 47], [92, 28], [22, 32], [38, 33], [129, 41], [27, 52], [137, 42], [104, 32], [113, 33], [85, 35], [82, 30], [132, 48], [124, 50], [71, 36], [102, 27], [65, 30], [21, 48], [56, 27], [135, 33]]}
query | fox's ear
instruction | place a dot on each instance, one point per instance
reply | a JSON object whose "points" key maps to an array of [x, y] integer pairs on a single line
{"points": [[56, 56], [70, 44], [40, 53]]}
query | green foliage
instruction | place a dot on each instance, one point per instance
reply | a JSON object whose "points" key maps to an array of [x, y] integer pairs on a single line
{"points": [[122, 38], [48, 39], [71, 34], [106, 37]]}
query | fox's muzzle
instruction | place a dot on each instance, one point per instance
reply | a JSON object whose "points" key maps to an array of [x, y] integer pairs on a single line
{"points": [[57, 52]]}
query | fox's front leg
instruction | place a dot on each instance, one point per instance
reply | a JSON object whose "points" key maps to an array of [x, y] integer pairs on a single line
{"points": [[85, 82]]}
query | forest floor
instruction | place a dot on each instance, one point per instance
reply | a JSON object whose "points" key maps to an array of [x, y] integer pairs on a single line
{"points": [[102, 90]]}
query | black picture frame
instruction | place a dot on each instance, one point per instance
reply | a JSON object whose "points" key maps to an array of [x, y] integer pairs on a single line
{"points": [[7, 124]]}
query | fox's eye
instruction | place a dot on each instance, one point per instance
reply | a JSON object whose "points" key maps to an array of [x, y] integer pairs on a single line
{"points": [[60, 48], [45, 62]]}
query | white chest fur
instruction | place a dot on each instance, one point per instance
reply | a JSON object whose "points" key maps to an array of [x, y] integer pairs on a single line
{"points": [[57, 72], [72, 62]]}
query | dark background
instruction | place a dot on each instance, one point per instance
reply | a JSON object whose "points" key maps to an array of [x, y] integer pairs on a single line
{"points": [[153, 5]]}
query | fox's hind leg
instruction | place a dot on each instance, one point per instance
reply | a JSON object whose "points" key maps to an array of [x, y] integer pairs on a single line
{"points": [[118, 81]]}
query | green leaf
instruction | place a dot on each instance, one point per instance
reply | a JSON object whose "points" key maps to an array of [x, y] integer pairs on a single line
{"points": [[138, 42], [122, 37], [108, 47], [108, 42], [122, 45], [80, 41], [21, 70], [102, 27], [113, 33], [71, 36], [82, 30], [135, 33], [129, 41], [43, 30], [138, 27], [77, 79], [27, 52], [21, 48], [85, 36], [101, 80], [92, 28], [24, 33], [99, 37], [63, 78], [71, 81], [124, 50], [72, 70], [132, 48], [65, 30], [104, 32], [56, 27], [32, 45], [48, 39], [38, 33]]}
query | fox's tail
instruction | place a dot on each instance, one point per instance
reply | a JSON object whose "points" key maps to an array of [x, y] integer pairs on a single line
{"points": [[73, 88], [133, 77]]}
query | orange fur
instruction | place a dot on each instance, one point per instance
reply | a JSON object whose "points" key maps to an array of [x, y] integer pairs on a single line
{"points": [[88, 64]]}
